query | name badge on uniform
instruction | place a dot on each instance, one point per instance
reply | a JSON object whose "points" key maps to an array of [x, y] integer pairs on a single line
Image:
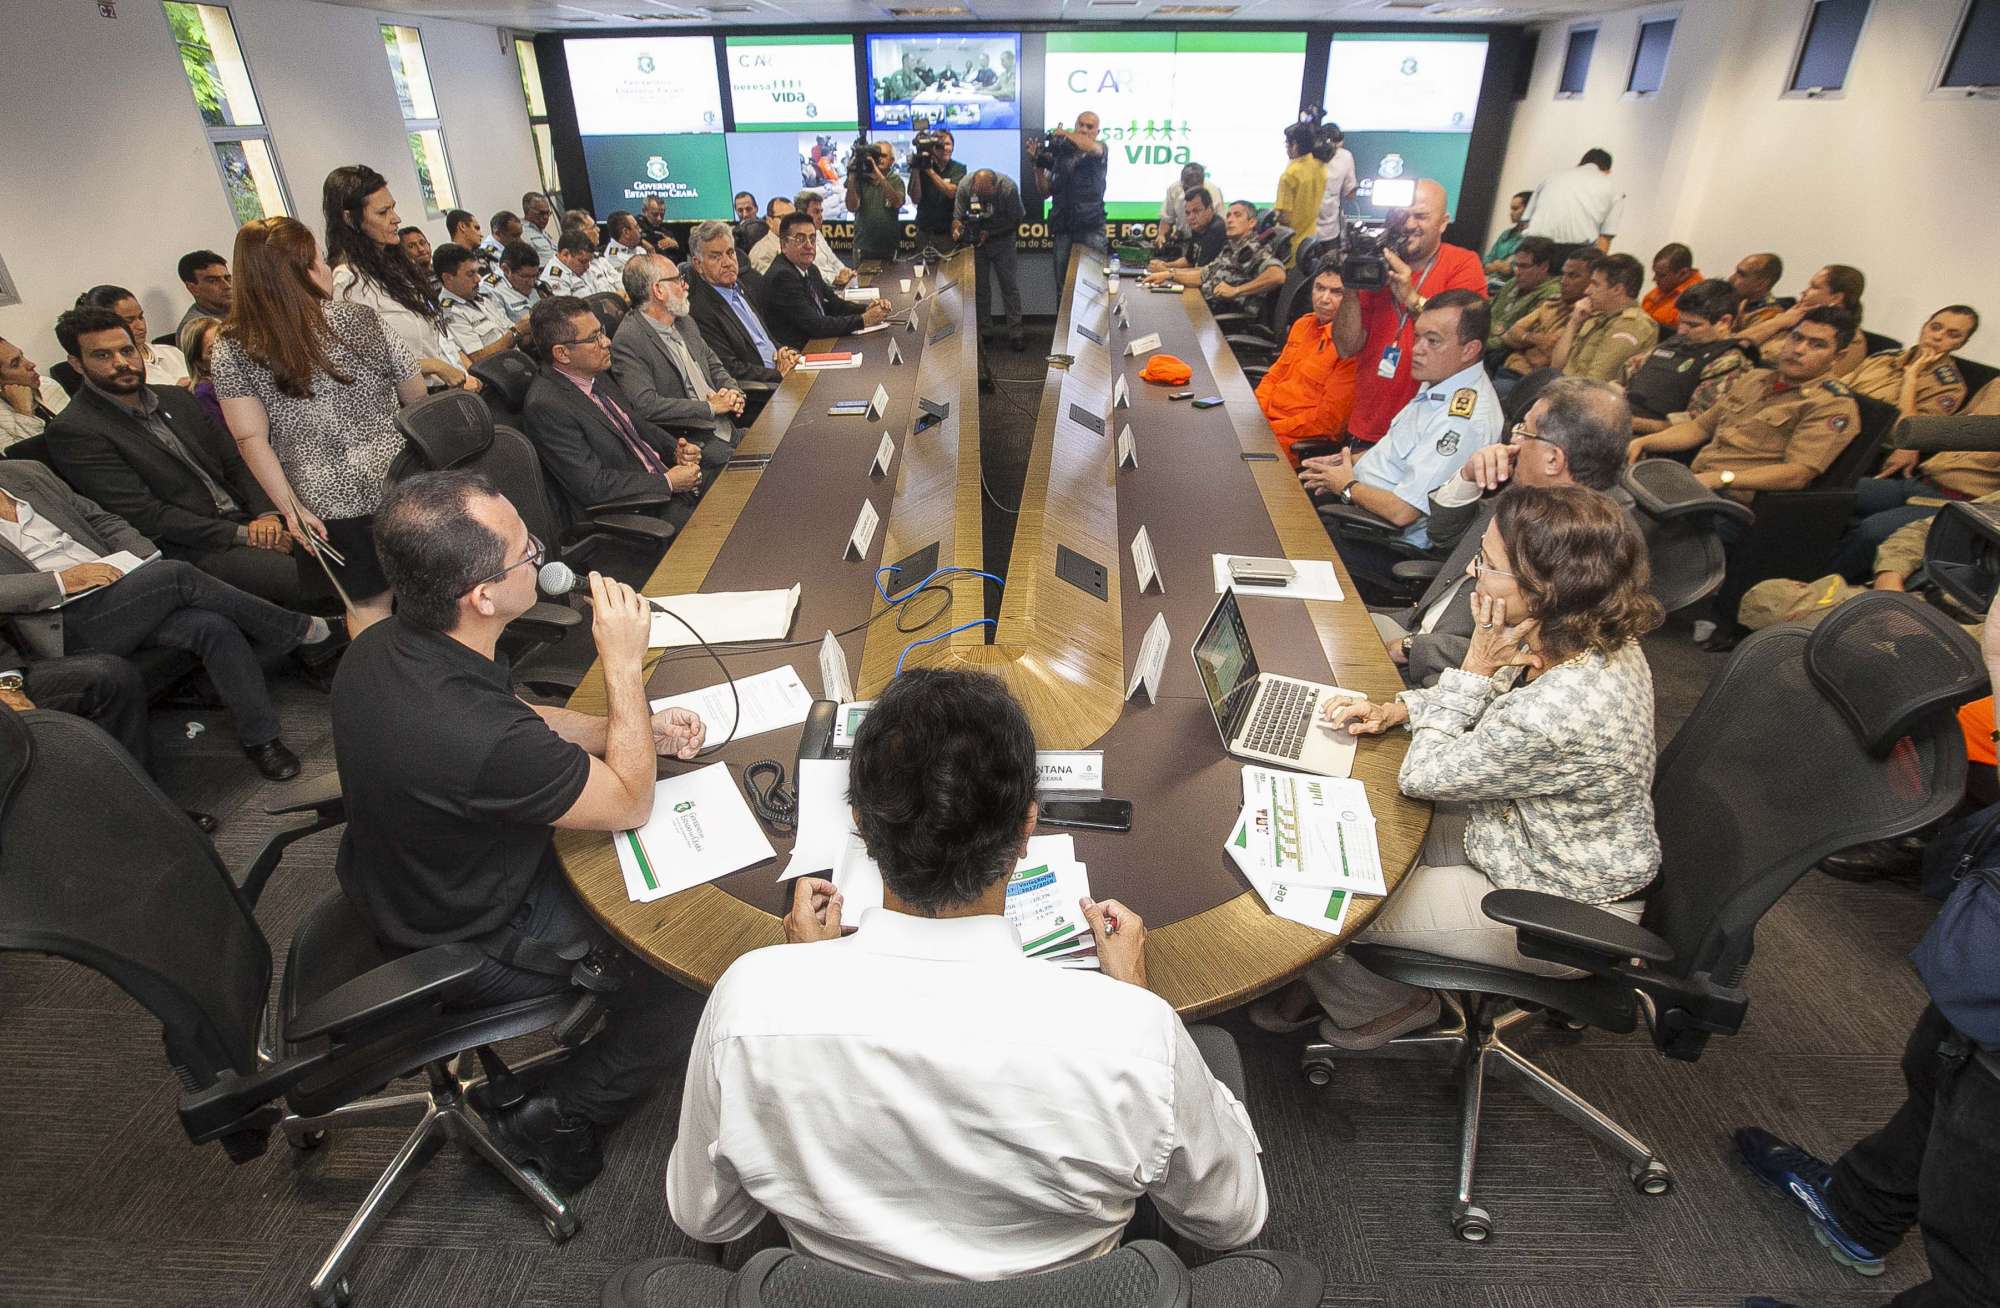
{"points": [[1392, 359], [1463, 401]]}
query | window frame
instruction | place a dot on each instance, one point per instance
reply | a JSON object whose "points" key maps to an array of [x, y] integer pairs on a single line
{"points": [[1786, 92], [220, 134], [1672, 16], [435, 206], [1958, 94], [1570, 33], [538, 124]]}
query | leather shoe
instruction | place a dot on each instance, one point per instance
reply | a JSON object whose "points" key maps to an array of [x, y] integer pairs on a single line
{"points": [[1016, 341], [274, 760], [535, 1132], [204, 822]]}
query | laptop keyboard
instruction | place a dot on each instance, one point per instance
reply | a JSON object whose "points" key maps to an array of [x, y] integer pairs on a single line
{"points": [[1282, 718]]}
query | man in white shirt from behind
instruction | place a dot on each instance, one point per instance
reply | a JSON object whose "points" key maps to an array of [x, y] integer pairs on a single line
{"points": [[918, 1100], [1578, 206]]}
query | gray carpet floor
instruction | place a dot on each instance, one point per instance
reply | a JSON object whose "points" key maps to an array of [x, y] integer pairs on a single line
{"points": [[103, 1201]]}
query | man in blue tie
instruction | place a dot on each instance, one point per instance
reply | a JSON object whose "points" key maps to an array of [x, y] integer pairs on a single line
{"points": [[729, 322]]}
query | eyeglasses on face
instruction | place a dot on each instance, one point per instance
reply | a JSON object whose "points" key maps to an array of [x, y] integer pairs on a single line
{"points": [[1480, 567], [536, 553]]}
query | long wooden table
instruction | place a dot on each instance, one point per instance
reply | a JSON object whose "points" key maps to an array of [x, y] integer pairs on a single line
{"points": [[1208, 481]]}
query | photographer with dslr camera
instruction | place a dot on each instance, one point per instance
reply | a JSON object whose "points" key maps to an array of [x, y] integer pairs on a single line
{"points": [[1376, 325], [1070, 169], [875, 198], [988, 215], [935, 181]]}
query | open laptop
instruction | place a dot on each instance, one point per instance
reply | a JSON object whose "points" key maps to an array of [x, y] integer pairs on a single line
{"points": [[1264, 717]]}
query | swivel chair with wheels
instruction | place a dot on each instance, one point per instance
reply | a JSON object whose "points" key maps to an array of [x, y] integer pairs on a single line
{"points": [[1808, 742], [180, 937], [1143, 1274], [1679, 516]]}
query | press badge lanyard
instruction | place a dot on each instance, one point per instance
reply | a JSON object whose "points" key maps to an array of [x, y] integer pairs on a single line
{"points": [[1392, 358]]}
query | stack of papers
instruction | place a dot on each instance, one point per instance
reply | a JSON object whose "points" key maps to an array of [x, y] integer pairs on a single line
{"points": [[829, 362], [701, 829], [1315, 580], [1307, 845], [722, 616], [1042, 897], [755, 705]]}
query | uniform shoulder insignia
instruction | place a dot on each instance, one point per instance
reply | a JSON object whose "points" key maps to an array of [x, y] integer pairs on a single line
{"points": [[1447, 444], [1947, 374], [1463, 401], [1947, 403], [1834, 386]]}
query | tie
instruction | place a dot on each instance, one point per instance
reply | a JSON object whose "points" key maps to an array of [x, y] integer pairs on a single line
{"points": [[648, 458]]}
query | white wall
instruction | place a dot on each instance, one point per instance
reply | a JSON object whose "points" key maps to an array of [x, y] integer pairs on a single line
{"points": [[108, 172], [1903, 187]]}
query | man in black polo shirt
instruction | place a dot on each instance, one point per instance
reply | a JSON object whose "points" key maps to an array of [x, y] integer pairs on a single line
{"points": [[455, 788]]}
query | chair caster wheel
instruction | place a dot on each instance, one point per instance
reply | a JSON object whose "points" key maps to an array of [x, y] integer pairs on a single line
{"points": [[1319, 1074], [1474, 1225], [561, 1231], [305, 1141], [338, 1295], [1653, 1178]]}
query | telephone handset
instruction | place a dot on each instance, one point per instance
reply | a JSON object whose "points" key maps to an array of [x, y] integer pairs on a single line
{"points": [[816, 740]]}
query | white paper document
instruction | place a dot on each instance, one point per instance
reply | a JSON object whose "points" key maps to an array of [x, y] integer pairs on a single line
{"points": [[1044, 905], [124, 560], [810, 364], [1308, 830], [1315, 580], [825, 821], [861, 294], [701, 829], [722, 616], [872, 327], [768, 701]]}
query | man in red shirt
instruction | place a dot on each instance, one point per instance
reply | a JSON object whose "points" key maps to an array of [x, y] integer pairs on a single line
{"points": [[1310, 389], [1376, 327]]}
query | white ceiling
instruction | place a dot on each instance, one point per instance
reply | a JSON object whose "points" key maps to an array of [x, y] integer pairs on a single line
{"points": [[605, 15]]}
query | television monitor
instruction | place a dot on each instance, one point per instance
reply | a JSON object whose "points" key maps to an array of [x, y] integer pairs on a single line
{"points": [[967, 81]]}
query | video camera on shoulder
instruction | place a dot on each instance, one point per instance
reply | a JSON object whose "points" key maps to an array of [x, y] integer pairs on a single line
{"points": [[923, 147], [861, 158], [1363, 241], [1053, 146]]}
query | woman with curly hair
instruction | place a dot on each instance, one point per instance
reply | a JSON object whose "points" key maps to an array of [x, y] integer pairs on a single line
{"points": [[1537, 751], [371, 267]]}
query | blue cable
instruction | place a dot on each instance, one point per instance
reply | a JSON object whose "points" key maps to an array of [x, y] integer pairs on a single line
{"points": [[932, 640], [935, 574]]}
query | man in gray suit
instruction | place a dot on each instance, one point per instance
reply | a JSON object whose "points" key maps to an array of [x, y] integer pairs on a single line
{"points": [[62, 593], [658, 357], [1574, 435]]}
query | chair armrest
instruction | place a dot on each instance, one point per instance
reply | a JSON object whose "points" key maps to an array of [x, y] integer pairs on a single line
{"points": [[1416, 569], [546, 623], [1352, 517], [1578, 926], [756, 387], [1665, 489], [633, 503], [320, 795], [1255, 373], [1254, 344], [1934, 435], [639, 527], [410, 982]]}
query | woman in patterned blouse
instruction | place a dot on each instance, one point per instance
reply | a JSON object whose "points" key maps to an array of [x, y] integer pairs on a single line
{"points": [[1538, 753]]}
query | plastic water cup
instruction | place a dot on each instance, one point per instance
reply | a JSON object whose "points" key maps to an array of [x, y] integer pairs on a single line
{"points": [[905, 284], [920, 271]]}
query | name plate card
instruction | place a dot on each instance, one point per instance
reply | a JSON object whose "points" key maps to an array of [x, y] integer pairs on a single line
{"points": [[1143, 344], [1152, 661], [1128, 449], [884, 453], [863, 534], [878, 403], [1146, 568], [1069, 771], [835, 683]]}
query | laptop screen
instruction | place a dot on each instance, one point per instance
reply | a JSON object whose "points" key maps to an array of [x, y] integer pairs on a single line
{"points": [[1227, 664]]}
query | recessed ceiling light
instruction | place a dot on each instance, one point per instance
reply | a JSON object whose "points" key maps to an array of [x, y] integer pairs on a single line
{"points": [[1195, 11]]}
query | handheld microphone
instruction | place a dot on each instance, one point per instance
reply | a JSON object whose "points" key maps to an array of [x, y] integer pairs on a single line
{"points": [[561, 579]]}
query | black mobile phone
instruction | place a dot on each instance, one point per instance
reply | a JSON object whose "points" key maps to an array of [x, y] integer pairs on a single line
{"points": [[1208, 402], [1181, 395], [1086, 814]]}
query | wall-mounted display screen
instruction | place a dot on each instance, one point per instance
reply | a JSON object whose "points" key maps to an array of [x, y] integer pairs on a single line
{"points": [[1406, 103], [1165, 99], [688, 172], [637, 85], [792, 83], [967, 81]]}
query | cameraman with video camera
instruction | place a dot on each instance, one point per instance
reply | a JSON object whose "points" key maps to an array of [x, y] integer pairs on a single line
{"points": [[935, 179], [875, 198], [1377, 325], [1070, 169], [988, 216]]}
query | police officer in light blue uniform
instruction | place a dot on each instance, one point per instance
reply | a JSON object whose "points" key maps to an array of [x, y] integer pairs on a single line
{"points": [[1454, 412]]}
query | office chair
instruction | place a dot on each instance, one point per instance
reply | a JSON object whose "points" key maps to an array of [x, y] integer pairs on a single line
{"points": [[181, 938], [1261, 332], [1678, 516], [1142, 1274], [609, 308], [1255, 352], [1797, 532], [1808, 742], [1877, 342], [504, 379], [1976, 374]]}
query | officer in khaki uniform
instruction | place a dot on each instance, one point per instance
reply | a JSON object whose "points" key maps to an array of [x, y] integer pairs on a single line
{"points": [[1609, 325], [1937, 387], [1535, 333], [1907, 490]]}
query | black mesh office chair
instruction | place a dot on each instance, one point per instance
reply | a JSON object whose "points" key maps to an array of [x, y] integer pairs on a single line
{"points": [[1877, 342], [1678, 517], [504, 379], [1808, 742], [609, 308], [1143, 1274], [180, 937], [1797, 532]]}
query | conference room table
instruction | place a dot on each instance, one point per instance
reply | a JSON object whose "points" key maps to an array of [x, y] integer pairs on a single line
{"points": [[1206, 481]]}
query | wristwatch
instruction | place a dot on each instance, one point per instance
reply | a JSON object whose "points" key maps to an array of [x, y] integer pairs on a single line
{"points": [[1727, 478], [11, 683], [1347, 491], [1406, 647]]}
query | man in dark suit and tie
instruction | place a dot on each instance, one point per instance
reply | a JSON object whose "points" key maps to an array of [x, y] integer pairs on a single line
{"points": [[593, 442], [722, 307], [151, 456], [1574, 435], [797, 305], [659, 358]]}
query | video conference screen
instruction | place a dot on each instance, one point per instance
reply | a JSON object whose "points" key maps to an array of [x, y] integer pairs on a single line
{"points": [[1406, 103], [967, 81], [1166, 99]]}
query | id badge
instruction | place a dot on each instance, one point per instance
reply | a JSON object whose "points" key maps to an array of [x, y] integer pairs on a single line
{"points": [[1392, 358]]}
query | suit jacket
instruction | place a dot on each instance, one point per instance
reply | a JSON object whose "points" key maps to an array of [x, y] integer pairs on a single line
{"points": [[724, 331], [106, 453], [587, 459], [646, 371], [797, 306], [30, 598]]}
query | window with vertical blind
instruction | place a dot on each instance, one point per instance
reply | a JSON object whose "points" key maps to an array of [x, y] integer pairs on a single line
{"points": [[538, 117], [1576, 62], [405, 46], [252, 183], [1649, 58], [1826, 48]]}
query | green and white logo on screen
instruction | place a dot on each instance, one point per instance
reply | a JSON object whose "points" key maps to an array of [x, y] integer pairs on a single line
{"points": [[790, 83]]}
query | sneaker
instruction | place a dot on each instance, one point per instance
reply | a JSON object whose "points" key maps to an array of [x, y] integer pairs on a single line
{"points": [[1786, 1167]]}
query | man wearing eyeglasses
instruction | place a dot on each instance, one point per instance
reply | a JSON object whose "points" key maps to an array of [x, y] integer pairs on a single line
{"points": [[798, 307], [659, 357], [597, 447], [450, 826]]}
